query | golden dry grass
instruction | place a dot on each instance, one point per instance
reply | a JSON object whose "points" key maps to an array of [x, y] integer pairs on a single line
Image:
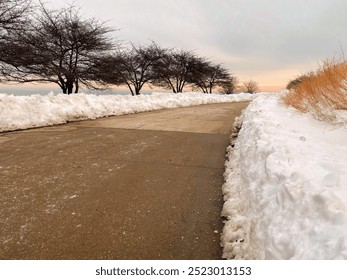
{"points": [[322, 93]]}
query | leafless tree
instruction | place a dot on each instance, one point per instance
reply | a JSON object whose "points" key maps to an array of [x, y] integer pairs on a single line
{"points": [[176, 69], [230, 85], [209, 76], [133, 67], [58, 47], [250, 86], [12, 14]]}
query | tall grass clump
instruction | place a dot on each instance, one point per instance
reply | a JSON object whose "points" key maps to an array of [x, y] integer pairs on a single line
{"points": [[322, 93]]}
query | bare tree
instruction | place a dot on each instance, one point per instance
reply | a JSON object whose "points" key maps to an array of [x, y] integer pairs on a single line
{"points": [[230, 85], [12, 14], [209, 76], [132, 67], [250, 86], [176, 69], [58, 47]]}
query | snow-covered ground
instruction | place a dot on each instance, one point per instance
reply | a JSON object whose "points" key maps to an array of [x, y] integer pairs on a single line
{"points": [[286, 186], [21, 112], [286, 177]]}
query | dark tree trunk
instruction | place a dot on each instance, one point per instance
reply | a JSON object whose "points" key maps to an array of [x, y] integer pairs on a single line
{"points": [[138, 89], [211, 87], [77, 86], [69, 87], [130, 88], [63, 88]]}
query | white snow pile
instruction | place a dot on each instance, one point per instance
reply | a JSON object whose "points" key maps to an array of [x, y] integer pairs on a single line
{"points": [[286, 186], [21, 112]]}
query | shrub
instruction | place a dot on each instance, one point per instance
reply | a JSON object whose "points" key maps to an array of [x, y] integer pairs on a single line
{"points": [[322, 93], [298, 80], [229, 86], [250, 86]]}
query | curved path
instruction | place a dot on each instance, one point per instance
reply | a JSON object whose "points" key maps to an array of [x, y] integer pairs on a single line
{"points": [[142, 186]]}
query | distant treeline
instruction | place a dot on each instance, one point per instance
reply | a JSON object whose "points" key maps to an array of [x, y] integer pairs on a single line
{"points": [[38, 44]]}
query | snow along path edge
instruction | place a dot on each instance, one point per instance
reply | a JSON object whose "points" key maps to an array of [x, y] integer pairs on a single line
{"points": [[236, 231], [285, 187], [22, 112]]}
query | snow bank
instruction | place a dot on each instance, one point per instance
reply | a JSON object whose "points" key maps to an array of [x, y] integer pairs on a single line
{"points": [[20, 112], [286, 186]]}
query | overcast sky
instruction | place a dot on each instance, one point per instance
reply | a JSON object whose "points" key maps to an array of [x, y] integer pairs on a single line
{"points": [[270, 41]]}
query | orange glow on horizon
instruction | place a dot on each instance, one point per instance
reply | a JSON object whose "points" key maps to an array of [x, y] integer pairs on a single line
{"points": [[271, 88]]}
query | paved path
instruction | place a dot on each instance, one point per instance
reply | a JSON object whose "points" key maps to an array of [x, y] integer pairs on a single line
{"points": [[143, 186]]}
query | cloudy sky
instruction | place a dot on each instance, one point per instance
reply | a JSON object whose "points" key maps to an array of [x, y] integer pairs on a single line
{"points": [[270, 41]]}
